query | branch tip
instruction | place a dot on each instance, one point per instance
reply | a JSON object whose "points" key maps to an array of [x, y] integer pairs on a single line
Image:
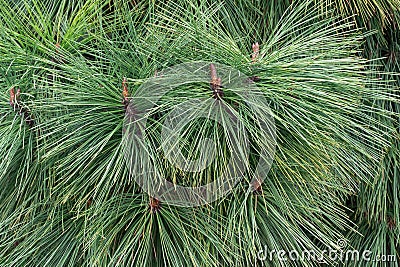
{"points": [[256, 52], [215, 83]]}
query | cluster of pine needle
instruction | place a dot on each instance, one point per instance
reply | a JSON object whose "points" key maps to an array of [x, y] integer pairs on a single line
{"points": [[70, 68]]}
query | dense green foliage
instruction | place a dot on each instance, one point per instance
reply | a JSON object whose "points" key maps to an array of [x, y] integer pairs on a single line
{"points": [[327, 68]]}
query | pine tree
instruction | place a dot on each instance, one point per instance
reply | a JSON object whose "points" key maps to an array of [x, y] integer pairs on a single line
{"points": [[73, 76]]}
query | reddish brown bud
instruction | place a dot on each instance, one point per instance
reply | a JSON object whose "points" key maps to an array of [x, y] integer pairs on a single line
{"points": [[256, 51], [125, 92], [256, 186], [215, 83], [12, 97], [155, 205]]}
